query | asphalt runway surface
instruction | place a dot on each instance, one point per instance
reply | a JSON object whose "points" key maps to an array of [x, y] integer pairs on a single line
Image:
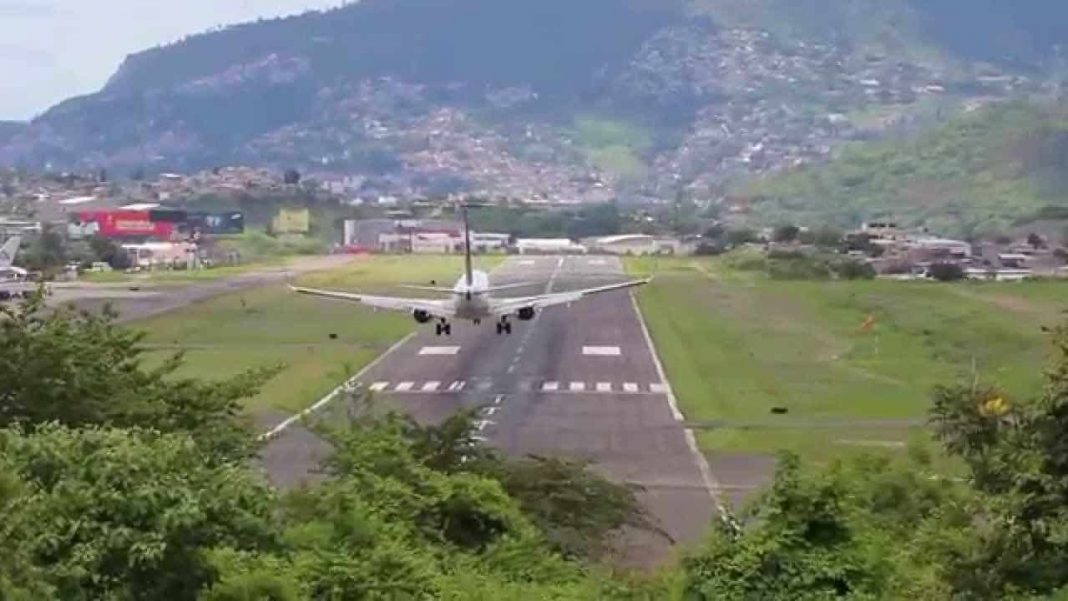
{"points": [[578, 381], [136, 300]]}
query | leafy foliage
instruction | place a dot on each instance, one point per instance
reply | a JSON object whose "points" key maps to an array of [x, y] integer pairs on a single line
{"points": [[81, 369], [886, 528], [106, 513]]}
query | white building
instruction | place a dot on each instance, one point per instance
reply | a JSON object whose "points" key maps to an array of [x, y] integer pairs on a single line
{"points": [[548, 246], [162, 254], [635, 244]]}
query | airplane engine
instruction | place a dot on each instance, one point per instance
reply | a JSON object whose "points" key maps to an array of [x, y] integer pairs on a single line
{"points": [[526, 313], [421, 316]]}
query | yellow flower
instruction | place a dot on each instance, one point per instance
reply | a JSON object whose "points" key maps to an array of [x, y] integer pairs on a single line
{"points": [[995, 407]]}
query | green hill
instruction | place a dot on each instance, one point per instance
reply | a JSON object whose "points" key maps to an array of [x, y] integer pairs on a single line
{"points": [[977, 173]]}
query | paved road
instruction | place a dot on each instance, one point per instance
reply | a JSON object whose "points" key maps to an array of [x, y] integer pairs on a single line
{"points": [[578, 381], [142, 299]]}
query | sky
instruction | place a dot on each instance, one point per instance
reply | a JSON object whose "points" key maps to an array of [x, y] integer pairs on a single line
{"points": [[51, 50]]}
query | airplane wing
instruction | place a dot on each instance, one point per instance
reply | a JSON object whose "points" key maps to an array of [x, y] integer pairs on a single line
{"points": [[511, 305], [436, 308]]}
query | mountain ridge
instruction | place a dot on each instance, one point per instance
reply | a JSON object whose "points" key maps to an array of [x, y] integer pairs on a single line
{"points": [[425, 96]]}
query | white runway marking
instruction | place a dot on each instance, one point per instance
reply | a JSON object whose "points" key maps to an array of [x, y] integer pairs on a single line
{"points": [[404, 386], [598, 262], [379, 386], [498, 399], [550, 386], [578, 386], [604, 387], [439, 350], [484, 423], [711, 484], [457, 386], [602, 351], [657, 388], [431, 386], [630, 387], [490, 411], [526, 262]]}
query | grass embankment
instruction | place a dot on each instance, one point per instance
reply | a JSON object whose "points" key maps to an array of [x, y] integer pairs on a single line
{"points": [[737, 344], [268, 326]]}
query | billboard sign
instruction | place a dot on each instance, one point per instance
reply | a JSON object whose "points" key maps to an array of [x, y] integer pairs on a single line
{"points": [[119, 224], [231, 222]]}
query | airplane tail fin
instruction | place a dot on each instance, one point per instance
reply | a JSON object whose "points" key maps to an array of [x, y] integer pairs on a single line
{"points": [[469, 274], [9, 250]]}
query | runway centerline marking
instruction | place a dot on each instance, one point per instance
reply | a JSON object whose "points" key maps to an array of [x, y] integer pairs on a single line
{"points": [[602, 351], [439, 350]]}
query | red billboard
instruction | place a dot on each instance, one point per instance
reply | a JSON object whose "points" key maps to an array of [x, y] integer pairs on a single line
{"points": [[122, 224]]}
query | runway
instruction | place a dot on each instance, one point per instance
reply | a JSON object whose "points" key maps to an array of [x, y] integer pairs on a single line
{"points": [[578, 381]]}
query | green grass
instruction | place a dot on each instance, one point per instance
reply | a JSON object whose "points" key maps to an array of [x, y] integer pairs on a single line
{"points": [[614, 146], [735, 345], [181, 276], [267, 326]]}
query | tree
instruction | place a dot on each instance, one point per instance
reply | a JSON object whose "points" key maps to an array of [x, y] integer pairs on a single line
{"points": [[741, 237], [105, 513], [109, 252], [1035, 241], [946, 272], [47, 252], [291, 177], [785, 234], [81, 369], [799, 542]]}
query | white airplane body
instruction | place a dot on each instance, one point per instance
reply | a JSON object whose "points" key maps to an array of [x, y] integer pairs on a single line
{"points": [[471, 299], [8, 272]]}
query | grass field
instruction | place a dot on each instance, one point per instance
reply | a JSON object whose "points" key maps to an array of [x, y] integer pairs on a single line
{"points": [[179, 276], [269, 326], [736, 345]]}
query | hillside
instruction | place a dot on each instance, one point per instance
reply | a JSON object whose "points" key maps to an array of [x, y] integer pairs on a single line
{"points": [[498, 96], [979, 173]]}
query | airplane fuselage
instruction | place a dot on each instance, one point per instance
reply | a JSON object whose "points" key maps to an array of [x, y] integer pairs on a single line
{"points": [[472, 300]]}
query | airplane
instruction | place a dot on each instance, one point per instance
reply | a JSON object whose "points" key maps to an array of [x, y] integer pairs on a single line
{"points": [[8, 272], [470, 299]]}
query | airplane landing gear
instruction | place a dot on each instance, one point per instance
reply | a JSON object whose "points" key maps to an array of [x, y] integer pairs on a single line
{"points": [[504, 327], [443, 328]]}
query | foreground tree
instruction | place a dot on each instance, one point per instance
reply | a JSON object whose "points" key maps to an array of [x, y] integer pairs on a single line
{"points": [[103, 513], [82, 369], [877, 528]]}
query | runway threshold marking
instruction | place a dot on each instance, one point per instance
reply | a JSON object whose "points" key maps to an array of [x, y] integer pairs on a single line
{"points": [[431, 386], [405, 386], [439, 350], [658, 389], [604, 387], [379, 386], [550, 386], [630, 387], [457, 386], [602, 351], [578, 386]]}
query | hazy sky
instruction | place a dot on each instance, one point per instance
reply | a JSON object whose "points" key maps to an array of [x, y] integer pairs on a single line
{"points": [[53, 49]]}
